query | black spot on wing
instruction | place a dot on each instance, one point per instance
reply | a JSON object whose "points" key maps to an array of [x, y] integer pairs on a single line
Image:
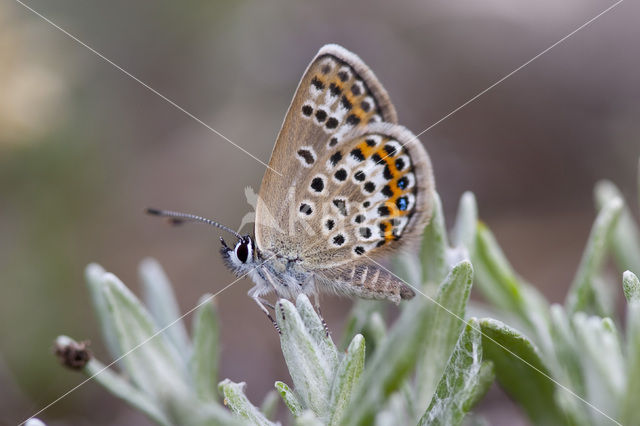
{"points": [[306, 209], [335, 158], [357, 154], [321, 115], [341, 205], [306, 155], [317, 83], [317, 184]]}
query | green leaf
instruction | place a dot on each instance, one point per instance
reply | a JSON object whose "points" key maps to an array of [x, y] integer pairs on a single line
{"points": [[347, 376], [445, 324], [582, 295], [93, 275], [631, 286], [206, 349], [120, 387], [305, 353], [603, 362], [494, 275], [161, 301], [521, 371], [465, 380], [237, 401], [503, 288], [151, 361], [391, 363], [433, 252], [567, 365], [290, 399], [464, 230], [566, 350], [631, 395], [625, 239]]}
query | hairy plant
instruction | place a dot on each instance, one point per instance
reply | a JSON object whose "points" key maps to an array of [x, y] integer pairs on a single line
{"points": [[562, 364]]}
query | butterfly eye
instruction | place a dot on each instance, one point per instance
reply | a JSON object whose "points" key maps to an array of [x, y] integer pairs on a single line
{"points": [[242, 251]]}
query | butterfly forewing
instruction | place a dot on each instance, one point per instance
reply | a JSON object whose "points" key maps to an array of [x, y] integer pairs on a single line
{"points": [[337, 94]]}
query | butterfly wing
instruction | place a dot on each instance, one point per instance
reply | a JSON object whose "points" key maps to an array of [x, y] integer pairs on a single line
{"points": [[337, 94], [366, 197], [377, 196], [354, 186]]}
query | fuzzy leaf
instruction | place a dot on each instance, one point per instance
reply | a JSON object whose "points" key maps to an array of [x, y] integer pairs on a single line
{"points": [[465, 380], [494, 275], [391, 363], [376, 328], [464, 230], [433, 252], [631, 286], [347, 376], [407, 266], [631, 395], [93, 275], [307, 418], [118, 386], [603, 361], [237, 401], [445, 324], [269, 405], [357, 321], [395, 413], [500, 285], [567, 365], [290, 399], [161, 301], [189, 411], [121, 388], [625, 239], [582, 295], [316, 329], [151, 361], [206, 349], [306, 356], [520, 371]]}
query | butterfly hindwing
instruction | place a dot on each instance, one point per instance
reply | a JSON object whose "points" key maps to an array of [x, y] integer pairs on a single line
{"points": [[367, 196], [337, 94]]}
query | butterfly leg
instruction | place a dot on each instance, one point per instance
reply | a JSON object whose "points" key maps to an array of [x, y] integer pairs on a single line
{"points": [[278, 295], [316, 302], [261, 303]]}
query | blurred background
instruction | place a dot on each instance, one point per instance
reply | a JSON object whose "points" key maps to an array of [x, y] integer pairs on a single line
{"points": [[84, 148]]}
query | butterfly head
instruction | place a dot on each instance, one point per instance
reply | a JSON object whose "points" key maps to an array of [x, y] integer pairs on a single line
{"points": [[239, 256]]}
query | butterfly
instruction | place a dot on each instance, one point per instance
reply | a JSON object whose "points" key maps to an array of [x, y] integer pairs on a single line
{"points": [[346, 186]]}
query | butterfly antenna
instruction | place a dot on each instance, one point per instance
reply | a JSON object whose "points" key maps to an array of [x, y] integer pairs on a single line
{"points": [[177, 218]]}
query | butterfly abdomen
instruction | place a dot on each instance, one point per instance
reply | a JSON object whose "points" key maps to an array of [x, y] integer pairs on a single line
{"points": [[369, 281]]}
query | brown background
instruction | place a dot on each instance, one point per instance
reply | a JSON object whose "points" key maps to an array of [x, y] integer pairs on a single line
{"points": [[84, 148]]}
